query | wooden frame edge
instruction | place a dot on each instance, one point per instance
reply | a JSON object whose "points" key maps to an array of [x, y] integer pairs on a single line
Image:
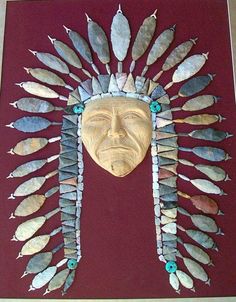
{"points": [[3, 4], [232, 26]]}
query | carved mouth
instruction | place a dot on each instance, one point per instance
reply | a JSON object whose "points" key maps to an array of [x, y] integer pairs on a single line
{"points": [[116, 148]]}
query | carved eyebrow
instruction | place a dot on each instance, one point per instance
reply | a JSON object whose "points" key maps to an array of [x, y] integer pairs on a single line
{"points": [[98, 111], [138, 111], [103, 110]]}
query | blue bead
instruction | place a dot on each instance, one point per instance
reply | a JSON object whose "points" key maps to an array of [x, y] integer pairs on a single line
{"points": [[78, 109], [72, 264], [155, 107], [171, 267]]}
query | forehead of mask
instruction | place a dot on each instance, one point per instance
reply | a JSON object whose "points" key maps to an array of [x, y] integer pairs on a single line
{"points": [[116, 132]]}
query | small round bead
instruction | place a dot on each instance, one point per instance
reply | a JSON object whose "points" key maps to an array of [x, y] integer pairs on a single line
{"points": [[72, 264], [78, 109], [171, 267], [155, 107]]}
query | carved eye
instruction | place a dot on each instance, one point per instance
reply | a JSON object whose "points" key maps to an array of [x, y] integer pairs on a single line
{"points": [[99, 118], [131, 116]]}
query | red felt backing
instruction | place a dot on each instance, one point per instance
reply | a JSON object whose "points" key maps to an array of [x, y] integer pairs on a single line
{"points": [[117, 226]]}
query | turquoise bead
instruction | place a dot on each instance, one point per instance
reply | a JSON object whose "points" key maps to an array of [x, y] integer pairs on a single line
{"points": [[72, 264], [155, 107], [78, 109], [171, 267]]}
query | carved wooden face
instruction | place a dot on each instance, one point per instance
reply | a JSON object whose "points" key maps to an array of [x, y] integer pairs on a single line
{"points": [[116, 132]]}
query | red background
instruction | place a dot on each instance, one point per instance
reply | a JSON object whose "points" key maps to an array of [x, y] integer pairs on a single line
{"points": [[118, 234]]}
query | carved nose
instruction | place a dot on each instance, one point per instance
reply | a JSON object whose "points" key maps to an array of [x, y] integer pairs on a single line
{"points": [[116, 131]]}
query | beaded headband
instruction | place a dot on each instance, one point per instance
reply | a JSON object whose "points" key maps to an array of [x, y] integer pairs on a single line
{"points": [[164, 148]]}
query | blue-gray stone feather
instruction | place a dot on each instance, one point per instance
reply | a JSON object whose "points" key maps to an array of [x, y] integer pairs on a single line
{"points": [[34, 105], [53, 62], [195, 85], [81, 45], [120, 36], [98, 41], [31, 124]]}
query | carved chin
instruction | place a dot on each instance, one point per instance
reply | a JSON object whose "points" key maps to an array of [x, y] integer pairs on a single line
{"points": [[119, 161], [119, 168]]}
